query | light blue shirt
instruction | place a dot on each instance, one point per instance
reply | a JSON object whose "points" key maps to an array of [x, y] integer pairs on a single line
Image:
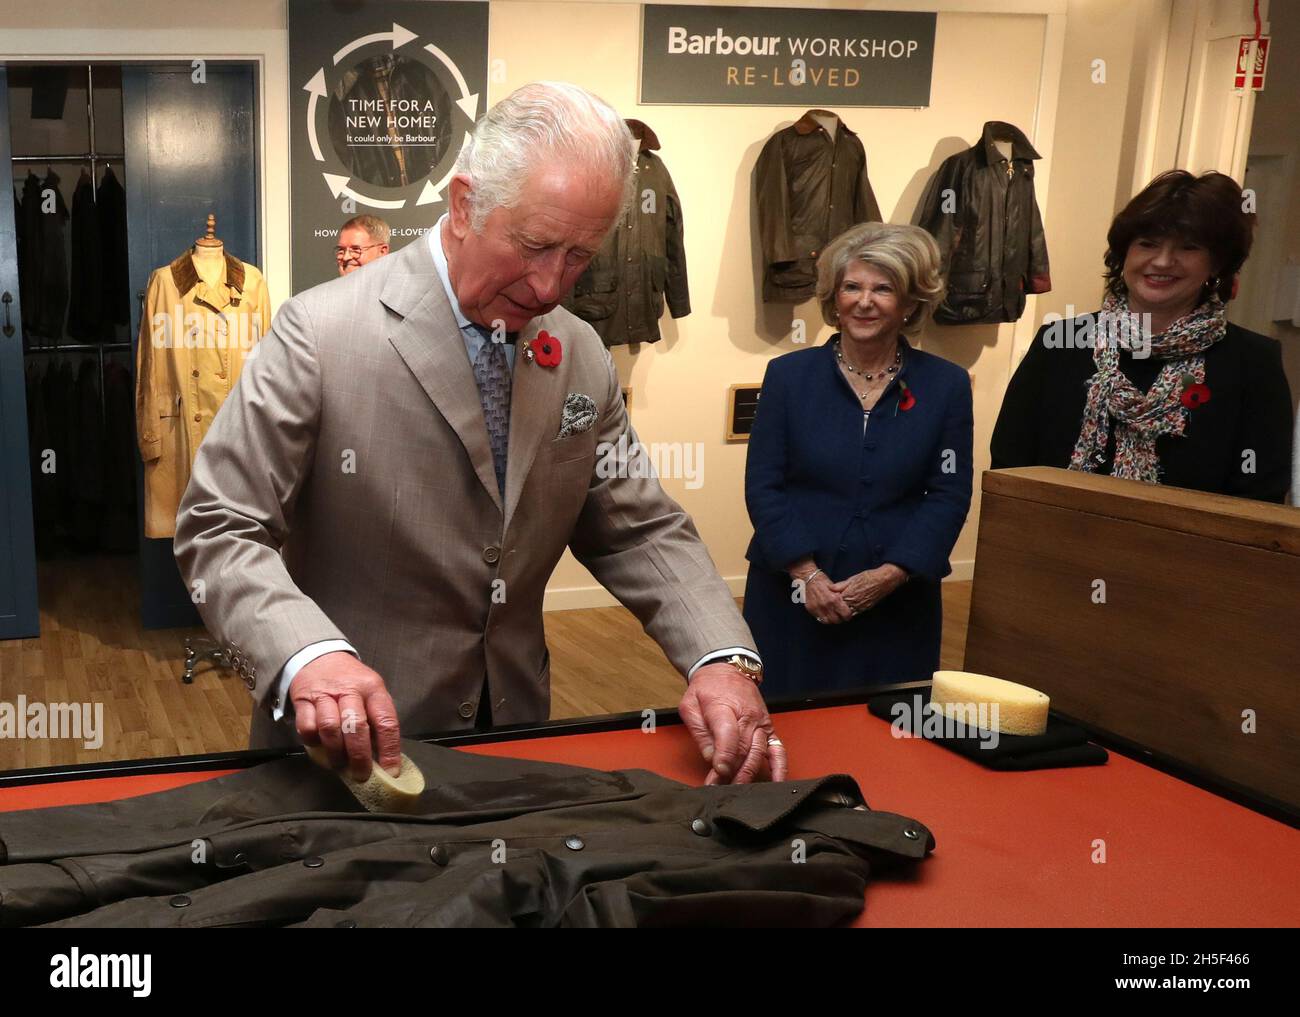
{"points": [[474, 340]]}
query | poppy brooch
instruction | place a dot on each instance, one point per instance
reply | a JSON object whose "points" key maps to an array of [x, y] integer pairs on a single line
{"points": [[1194, 393], [545, 349]]}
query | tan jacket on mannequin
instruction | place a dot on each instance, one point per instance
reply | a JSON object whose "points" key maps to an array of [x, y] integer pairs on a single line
{"points": [[203, 314]]}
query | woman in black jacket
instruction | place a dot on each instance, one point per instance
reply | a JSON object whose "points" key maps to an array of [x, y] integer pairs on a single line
{"points": [[1158, 386]]}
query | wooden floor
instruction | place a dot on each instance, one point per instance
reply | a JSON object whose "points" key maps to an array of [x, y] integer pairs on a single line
{"points": [[92, 650]]}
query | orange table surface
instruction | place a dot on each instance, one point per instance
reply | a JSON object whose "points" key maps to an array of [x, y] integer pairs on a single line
{"points": [[1016, 849]]}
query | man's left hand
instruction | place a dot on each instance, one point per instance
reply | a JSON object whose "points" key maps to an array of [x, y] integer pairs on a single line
{"points": [[726, 715]]}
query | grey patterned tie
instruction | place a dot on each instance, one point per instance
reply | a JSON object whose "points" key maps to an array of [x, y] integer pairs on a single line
{"points": [[492, 372]]}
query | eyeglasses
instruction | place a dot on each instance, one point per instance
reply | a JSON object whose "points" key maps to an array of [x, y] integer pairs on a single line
{"points": [[342, 253]]}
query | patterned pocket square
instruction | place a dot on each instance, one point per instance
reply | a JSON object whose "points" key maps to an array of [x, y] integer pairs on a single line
{"points": [[579, 415]]}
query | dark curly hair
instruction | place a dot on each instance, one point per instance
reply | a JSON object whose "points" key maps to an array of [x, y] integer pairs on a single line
{"points": [[1206, 210]]}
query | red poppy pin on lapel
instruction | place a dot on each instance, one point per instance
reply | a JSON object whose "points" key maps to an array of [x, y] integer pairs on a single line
{"points": [[545, 349], [907, 400], [1194, 393]]}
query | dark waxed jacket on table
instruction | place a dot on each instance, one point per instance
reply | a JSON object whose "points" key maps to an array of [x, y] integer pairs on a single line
{"points": [[810, 188], [643, 260], [819, 484], [980, 208], [285, 844], [1249, 410]]}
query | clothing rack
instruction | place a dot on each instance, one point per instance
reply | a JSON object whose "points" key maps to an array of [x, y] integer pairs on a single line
{"points": [[102, 350], [93, 157]]}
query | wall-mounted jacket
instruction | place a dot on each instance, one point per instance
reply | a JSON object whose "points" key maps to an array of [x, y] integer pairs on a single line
{"points": [[642, 261], [810, 187], [193, 340], [980, 207]]}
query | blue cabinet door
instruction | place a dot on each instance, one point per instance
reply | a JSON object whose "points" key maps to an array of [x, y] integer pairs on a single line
{"points": [[191, 148], [19, 617]]}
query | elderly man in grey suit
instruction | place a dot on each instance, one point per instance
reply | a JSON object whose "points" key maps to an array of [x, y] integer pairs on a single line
{"points": [[375, 512]]}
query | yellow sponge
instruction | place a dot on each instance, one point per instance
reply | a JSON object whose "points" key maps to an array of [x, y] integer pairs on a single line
{"points": [[998, 704], [380, 792]]}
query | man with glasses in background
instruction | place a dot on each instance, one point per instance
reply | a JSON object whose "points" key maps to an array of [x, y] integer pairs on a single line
{"points": [[362, 239]]}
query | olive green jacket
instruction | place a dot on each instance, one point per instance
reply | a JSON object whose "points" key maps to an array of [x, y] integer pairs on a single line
{"points": [[493, 842], [642, 262]]}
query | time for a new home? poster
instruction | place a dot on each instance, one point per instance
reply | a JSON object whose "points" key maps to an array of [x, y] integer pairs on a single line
{"points": [[382, 97]]}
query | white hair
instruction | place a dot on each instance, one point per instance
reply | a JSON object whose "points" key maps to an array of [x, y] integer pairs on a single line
{"points": [[544, 119]]}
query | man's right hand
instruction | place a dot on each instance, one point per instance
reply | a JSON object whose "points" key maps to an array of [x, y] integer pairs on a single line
{"points": [[339, 703]]}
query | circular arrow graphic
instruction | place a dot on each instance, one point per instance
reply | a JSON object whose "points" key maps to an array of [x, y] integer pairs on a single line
{"points": [[433, 192], [338, 184], [399, 37], [467, 102], [318, 88]]}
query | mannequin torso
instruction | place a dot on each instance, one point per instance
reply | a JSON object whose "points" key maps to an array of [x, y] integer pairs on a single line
{"points": [[210, 263]]}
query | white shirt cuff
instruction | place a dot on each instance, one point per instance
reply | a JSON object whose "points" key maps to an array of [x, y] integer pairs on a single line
{"points": [[716, 655], [300, 660]]}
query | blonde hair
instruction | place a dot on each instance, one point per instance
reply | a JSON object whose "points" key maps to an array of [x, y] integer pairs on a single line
{"points": [[907, 254]]}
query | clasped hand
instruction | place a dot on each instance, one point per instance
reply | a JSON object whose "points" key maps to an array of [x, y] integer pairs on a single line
{"points": [[832, 603]]}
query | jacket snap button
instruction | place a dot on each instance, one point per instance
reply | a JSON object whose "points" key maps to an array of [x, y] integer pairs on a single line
{"points": [[701, 827], [491, 555], [466, 710], [574, 843], [911, 834], [180, 901], [439, 855], [347, 923], [314, 862]]}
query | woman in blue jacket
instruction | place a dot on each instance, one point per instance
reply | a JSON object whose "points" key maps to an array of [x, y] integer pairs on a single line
{"points": [[859, 478]]}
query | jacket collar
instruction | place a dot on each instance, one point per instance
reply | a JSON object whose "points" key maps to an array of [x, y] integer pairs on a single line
{"points": [[186, 277], [807, 123], [996, 129], [649, 140]]}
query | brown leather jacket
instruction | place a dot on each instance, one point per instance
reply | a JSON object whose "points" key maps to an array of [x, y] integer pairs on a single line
{"points": [[642, 261], [810, 188], [981, 209]]}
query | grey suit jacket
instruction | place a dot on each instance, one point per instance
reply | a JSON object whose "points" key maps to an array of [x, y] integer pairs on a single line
{"points": [[346, 490]]}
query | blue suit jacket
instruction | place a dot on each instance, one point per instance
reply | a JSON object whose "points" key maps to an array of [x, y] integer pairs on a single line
{"points": [[811, 472]]}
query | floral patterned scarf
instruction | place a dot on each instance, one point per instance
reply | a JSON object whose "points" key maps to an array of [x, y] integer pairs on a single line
{"points": [[1140, 418]]}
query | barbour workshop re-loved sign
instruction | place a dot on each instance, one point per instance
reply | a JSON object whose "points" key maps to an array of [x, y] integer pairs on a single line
{"points": [[782, 56]]}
